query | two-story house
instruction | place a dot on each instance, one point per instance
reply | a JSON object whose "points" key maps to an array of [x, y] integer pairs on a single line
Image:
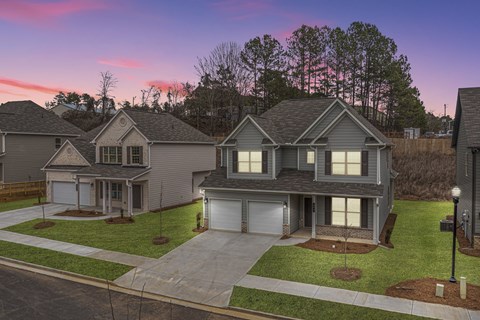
{"points": [[466, 141], [29, 136], [305, 163], [131, 163]]}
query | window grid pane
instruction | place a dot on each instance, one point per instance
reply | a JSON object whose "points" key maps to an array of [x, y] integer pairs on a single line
{"points": [[346, 211], [310, 157], [250, 162]]}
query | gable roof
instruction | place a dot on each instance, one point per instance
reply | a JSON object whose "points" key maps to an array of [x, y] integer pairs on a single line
{"points": [[468, 111], [29, 117]]}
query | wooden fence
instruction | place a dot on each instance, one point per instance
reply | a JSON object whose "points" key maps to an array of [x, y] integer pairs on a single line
{"points": [[422, 146], [22, 190]]}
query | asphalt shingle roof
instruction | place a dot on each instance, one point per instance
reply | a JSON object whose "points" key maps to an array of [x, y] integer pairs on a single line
{"points": [[112, 171], [27, 116], [293, 181], [163, 127], [468, 111]]}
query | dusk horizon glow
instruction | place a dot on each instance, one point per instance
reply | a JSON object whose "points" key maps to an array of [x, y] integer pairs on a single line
{"points": [[63, 45]]}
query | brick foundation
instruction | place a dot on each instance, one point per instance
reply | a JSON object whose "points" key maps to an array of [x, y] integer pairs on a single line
{"points": [[335, 231], [286, 229], [205, 223], [244, 227], [476, 242]]}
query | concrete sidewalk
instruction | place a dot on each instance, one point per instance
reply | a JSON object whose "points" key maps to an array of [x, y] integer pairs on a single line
{"points": [[12, 217], [360, 299], [75, 249]]}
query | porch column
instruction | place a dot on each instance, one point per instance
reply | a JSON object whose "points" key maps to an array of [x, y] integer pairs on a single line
{"points": [[129, 199], [314, 217], [109, 196], [77, 187], [104, 193], [376, 232]]}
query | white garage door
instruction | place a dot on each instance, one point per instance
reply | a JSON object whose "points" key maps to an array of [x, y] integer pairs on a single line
{"points": [[265, 217], [64, 192], [225, 214]]}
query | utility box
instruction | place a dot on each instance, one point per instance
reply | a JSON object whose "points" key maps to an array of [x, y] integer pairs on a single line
{"points": [[446, 225]]}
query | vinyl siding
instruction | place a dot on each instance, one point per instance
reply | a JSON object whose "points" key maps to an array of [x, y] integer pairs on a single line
{"points": [[249, 139], [323, 123], [26, 155], [321, 211], [294, 212], [245, 197], [347, 135], [173, 164], [289, 158], [278, 161], [224, 157], [303, 166], [384, 208], [111, 134], [197, 178]]}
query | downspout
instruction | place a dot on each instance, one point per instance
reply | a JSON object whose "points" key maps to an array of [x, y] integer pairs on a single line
{"points": [[149, 154], [3, 142], [379, 178], [474, 194], [274, 162], [315, 162]]}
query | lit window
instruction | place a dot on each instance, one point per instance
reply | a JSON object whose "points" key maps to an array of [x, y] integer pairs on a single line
{"points": [[58, 143], [346, 211], [250, 161], [112, 155], [347, 163], [310, 157]]}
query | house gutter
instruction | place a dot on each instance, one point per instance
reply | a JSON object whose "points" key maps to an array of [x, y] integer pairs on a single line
{"points": [[274, 162]]}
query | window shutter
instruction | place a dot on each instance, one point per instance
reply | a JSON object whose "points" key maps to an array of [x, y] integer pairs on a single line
{"points": [[265, 161], [364, 214], [141, 155], [234, 161], [328, 211], [364, 163], [128, 154], [328, 163], [101, 155]]}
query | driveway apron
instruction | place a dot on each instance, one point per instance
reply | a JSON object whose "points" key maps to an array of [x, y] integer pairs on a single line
{"points": [[202, 270]]}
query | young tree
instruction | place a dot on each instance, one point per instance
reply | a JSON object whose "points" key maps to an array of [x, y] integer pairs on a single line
{"points": [[107, 83]]}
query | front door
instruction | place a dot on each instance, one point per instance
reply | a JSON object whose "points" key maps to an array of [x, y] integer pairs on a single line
{"points": [[307, 211], [137, 196]]}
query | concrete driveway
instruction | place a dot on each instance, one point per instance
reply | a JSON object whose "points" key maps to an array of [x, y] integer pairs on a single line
{"points": [[202, 270], [10, 218]]}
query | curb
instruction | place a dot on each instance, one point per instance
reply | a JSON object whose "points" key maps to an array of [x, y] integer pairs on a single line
{"points": [[104, 284]]}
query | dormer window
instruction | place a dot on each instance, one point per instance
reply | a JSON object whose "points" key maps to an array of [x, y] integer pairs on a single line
{"points": [[250, 161], [111, 155]]}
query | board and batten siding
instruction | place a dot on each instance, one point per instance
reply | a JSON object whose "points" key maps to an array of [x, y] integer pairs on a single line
{"points": [[347, 136], [249, 138], [245, 197], [302, 156], [325, 121], [278, 161], [289, 158], [321, 211], [173, 166]]}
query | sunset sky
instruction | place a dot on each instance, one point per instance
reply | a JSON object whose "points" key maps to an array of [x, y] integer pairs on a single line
{"points": [[55, 45]]}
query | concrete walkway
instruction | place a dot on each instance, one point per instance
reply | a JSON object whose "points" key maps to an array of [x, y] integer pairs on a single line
{"points": [[13, 217], [75, 249], [360, 299], [203, 269]]}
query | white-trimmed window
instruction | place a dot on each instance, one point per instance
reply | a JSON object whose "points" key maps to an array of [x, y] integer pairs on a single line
{"points": [[346, 211], [347, 163], [250, 161], [58, 143], [135, 155], [310, 157], [116, 191], [112, 155]]}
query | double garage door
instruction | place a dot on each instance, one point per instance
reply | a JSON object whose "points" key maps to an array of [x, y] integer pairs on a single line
{"points": [[263, 217], [64, 192]]}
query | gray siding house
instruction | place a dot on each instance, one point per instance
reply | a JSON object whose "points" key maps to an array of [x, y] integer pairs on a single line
{"points": [[131, 163], [309, 164], [466, 141], [29, 136]]}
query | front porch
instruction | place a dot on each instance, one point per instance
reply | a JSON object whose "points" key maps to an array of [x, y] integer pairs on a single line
{"points": [[306, 233]]}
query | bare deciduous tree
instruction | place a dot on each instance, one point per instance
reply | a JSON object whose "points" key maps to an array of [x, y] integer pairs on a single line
{"points": [[107, 83]]}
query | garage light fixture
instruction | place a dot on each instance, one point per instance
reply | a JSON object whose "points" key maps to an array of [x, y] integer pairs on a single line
{"points": [[285, 204], [205, 200]]}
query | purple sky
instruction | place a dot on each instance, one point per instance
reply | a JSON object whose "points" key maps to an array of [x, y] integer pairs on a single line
{"points": [[57, 45]]}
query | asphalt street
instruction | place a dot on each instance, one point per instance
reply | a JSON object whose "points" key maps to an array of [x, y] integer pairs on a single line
{"points": [[27, 295]]}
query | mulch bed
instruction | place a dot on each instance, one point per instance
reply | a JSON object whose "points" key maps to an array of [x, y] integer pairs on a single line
{"points": [[337, 246], [120, 220], [348, 274], [200, 230], [40, 203], [80, 213], [388, 230], [43, 225], [424, 290], [160, 240], [464, 244]]}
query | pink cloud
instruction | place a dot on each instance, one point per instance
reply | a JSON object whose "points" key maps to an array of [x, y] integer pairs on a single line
{"points": [[31, 86], [28, 11], [161, 84], [12, 93], [122, 63], [241, 10]]}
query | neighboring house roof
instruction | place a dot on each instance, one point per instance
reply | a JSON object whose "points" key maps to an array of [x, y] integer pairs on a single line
{"points": [[81, 107], [113, 171], [290, 119], [468, 111], [29, 117], [292, 181]]}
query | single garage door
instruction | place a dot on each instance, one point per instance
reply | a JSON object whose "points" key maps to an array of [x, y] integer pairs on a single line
{"points": [[225, 214], [64, 192], [265, 217]]}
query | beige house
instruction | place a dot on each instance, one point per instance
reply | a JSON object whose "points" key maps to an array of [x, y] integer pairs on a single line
{"points": [[131, 163]]}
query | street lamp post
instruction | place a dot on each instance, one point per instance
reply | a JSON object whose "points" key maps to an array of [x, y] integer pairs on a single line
{"points": [[456, 196]]}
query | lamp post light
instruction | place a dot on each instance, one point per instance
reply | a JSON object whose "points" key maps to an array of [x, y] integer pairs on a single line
{"points": [[456, 196]]}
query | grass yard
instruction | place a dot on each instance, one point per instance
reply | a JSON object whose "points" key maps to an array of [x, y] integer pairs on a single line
{"points": [[63, 261], [13, 205], [421, 250], [305, 308], [135, 238]]}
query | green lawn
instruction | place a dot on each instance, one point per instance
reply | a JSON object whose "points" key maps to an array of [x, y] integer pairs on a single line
{"points": [[135, 238], [305, 308], [421, 250], [63, 261], [7, 206]]}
